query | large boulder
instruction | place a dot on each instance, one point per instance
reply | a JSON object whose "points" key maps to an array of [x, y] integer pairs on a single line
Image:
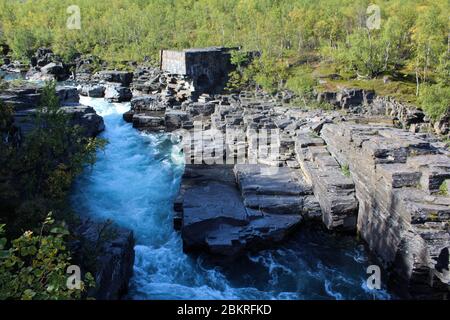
{"points": [[67, 95], [215, 216], [175, 119], [118, 94], [86, 118], [93, 91]]}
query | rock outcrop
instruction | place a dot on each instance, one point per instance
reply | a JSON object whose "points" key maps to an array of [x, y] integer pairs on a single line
{"points": [[85, 117], [45, 66], [367, 103], [216, 215], [147, 80], [118, 94], [402, 215], [93, 91], [122, 77], [332, 186], [107, 251], [26, 99], [347, 98]]}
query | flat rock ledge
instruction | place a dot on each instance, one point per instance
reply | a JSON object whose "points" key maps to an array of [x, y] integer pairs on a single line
{"points": [[226, 210]]}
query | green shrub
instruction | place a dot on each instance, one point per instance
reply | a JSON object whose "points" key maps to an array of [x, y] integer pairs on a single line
{"points": [[301, 82], [443, 189], [435, 100], [345, 169], [34, 266]]}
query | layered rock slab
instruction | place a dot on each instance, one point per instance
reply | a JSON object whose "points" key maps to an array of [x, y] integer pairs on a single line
{"points": [[214, 215], [402, 215], [276, 190], [334, 190]]}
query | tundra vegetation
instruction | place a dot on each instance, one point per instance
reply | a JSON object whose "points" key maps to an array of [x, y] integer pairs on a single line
{"points": [[304, 45]]}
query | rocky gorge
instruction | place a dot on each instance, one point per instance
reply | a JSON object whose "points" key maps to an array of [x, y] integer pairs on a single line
{"points": [[258, 169]]}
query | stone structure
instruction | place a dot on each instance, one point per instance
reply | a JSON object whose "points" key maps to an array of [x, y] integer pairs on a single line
{"points": [[206, 69]]}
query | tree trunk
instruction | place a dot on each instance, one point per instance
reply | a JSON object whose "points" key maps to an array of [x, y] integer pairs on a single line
{"points": [[417, 83]]}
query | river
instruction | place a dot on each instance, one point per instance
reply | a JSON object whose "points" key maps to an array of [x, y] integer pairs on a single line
{"points": [[134, 183]]}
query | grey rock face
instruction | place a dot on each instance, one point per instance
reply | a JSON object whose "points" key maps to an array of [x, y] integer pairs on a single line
{"points": [[276, 190], [110, 259], [142, 121], [147, 80], [21, 98], [85, 117], [53, 68], [93, 91], [25, 100], [45, 65], [146, 113], [149, 105], [334, 190], [401, 215], [118, 94], [175, 119], [213, 215], [43, 57], [347, 98], [67, 95]]}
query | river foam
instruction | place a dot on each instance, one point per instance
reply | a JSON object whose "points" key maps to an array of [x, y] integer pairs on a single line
{"points": [[134, 183]]}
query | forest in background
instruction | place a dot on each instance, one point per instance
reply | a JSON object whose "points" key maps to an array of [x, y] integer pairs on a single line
{"points": [[300, 41]]}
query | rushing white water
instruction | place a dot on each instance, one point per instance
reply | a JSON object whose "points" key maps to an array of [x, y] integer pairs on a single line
{"points": [[134, 183]]}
